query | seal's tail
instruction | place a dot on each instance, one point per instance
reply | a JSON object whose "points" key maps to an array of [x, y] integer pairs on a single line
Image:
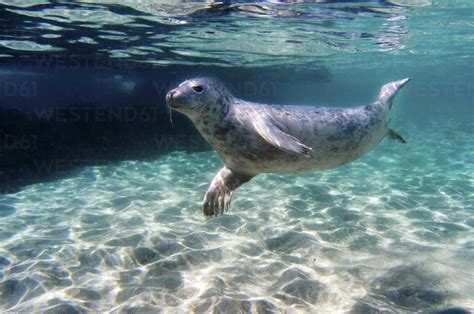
{"points": [[389, 90]]}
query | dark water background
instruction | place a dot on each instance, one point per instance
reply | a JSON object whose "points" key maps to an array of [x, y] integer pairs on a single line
{"points": [[82, 88]]}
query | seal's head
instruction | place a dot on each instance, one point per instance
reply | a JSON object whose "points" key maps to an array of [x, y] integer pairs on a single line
{"points": [[199, 96]]}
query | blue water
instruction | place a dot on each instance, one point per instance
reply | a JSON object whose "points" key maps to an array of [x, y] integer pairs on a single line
{"points": [[101, 203]]}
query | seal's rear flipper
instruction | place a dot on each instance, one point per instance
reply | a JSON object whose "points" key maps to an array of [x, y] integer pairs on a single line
{"points": [[391, 134], [274, 136], [218, 196], [389, 90]]}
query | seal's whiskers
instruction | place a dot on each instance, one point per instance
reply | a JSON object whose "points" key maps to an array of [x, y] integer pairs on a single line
{"points": [[171, 115]]}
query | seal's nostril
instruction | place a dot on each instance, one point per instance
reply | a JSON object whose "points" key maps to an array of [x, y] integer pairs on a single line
{"points": [[169, 95]]}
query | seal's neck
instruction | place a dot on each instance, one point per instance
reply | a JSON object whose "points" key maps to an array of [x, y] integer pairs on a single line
{"points": [[216, 111], [213, 122]]}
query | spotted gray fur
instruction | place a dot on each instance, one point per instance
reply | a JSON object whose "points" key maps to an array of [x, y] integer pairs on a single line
{"points": [[256, 138]]}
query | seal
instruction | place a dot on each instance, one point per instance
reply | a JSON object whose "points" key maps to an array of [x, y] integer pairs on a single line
{"points": [[253, 138]]}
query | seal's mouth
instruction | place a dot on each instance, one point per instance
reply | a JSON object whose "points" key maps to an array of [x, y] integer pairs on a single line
{"points": [[171, 99], [175, 100]]}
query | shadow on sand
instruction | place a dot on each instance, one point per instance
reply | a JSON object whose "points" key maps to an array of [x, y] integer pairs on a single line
{"points": [[43, 146]]}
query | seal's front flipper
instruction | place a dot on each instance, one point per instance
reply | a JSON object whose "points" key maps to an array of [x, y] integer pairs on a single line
{"points": [[395, 136], [218, 196], [273, 135]]}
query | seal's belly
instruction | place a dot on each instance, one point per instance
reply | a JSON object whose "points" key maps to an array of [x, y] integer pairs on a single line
{"points": [[252, 155], [336, 138], [332, 147]]}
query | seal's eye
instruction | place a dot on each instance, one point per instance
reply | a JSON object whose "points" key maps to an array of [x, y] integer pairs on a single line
{"points": [[198, 88]]}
